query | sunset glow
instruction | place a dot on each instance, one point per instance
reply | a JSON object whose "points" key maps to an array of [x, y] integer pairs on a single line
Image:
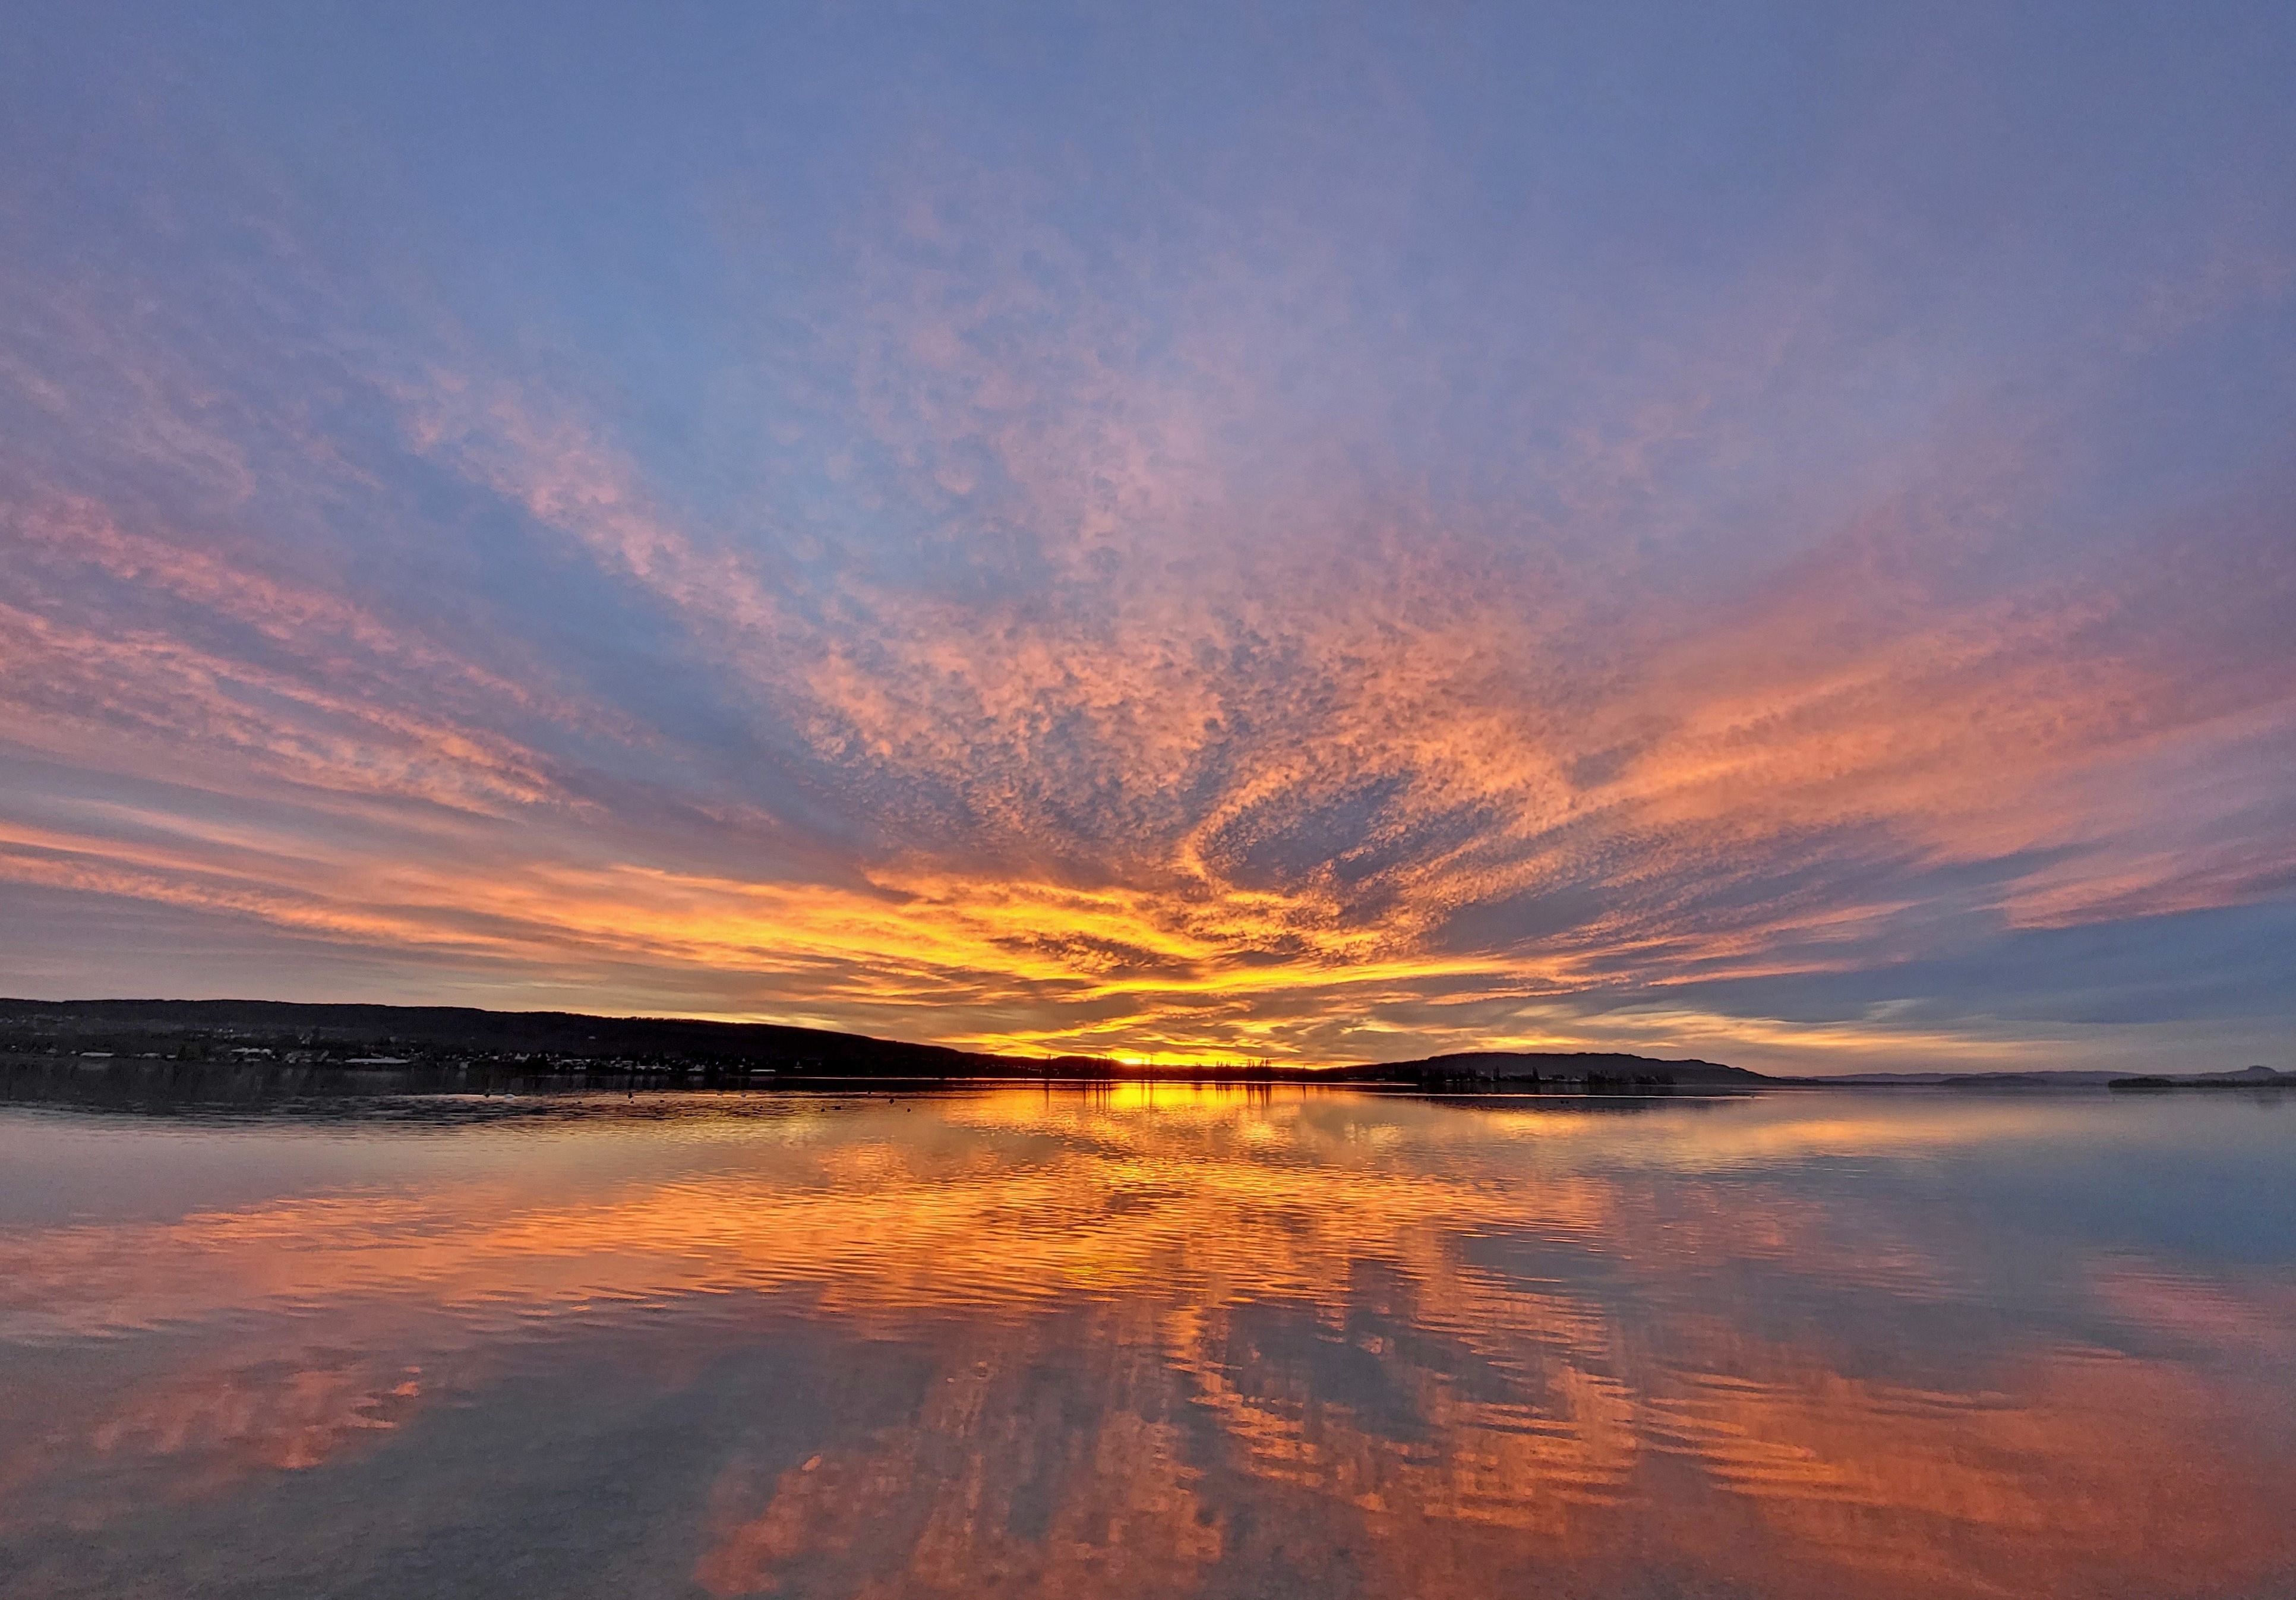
{"points": [[1448, 1342], [1174, 534]]}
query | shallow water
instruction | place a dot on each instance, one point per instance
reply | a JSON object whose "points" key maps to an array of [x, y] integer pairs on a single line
{"points": [[1153, 1341]]}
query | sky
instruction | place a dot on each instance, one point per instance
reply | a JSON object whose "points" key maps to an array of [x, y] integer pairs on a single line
{"points": [[1191, 532]]}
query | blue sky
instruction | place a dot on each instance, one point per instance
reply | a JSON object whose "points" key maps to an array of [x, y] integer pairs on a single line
{"points": [[1764, 532]]}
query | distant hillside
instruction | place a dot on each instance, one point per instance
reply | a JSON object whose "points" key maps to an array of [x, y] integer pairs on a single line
{"points": [[275, 1036], [272, 1036], [302, 1035], [1583, 1067], [2247, 1078]]}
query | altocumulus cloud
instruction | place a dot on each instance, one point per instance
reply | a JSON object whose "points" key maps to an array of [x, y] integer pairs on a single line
{"points": [[1232, 532]]}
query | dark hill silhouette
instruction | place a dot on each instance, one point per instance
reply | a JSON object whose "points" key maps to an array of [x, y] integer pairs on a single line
{"points": [[329, 1034], [2247, 1078], [1544, 1067], [283, 1034]]}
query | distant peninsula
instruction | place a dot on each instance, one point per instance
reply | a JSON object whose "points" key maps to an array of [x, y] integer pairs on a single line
{"points": [[2247, 1078], [286, 1043], [275, 1038]]}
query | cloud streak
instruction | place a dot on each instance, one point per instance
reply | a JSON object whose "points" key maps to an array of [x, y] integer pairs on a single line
{"points": [[1040, 586]]}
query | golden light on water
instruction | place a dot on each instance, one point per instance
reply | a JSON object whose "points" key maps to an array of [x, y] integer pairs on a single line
{"points": [[1110, 1344]]}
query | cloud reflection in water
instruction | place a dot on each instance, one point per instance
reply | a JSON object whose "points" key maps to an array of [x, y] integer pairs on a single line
{"points": [[1165, 1342]]}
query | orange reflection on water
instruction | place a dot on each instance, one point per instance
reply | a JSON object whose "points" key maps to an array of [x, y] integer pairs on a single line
{"points": [[1122, 1344], [938, 1505]]}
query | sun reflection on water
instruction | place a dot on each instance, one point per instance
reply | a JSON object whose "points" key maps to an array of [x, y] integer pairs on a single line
{"points": [[1158, 1340]]}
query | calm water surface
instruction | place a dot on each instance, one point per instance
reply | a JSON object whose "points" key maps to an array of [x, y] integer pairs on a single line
{"points": [[1151, 1343]]}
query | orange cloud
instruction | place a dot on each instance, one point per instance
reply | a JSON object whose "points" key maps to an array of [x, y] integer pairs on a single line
{"points": [[1070, 697]]}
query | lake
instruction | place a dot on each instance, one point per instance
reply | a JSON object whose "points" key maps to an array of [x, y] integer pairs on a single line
{"points": [[1152, 1341]]}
